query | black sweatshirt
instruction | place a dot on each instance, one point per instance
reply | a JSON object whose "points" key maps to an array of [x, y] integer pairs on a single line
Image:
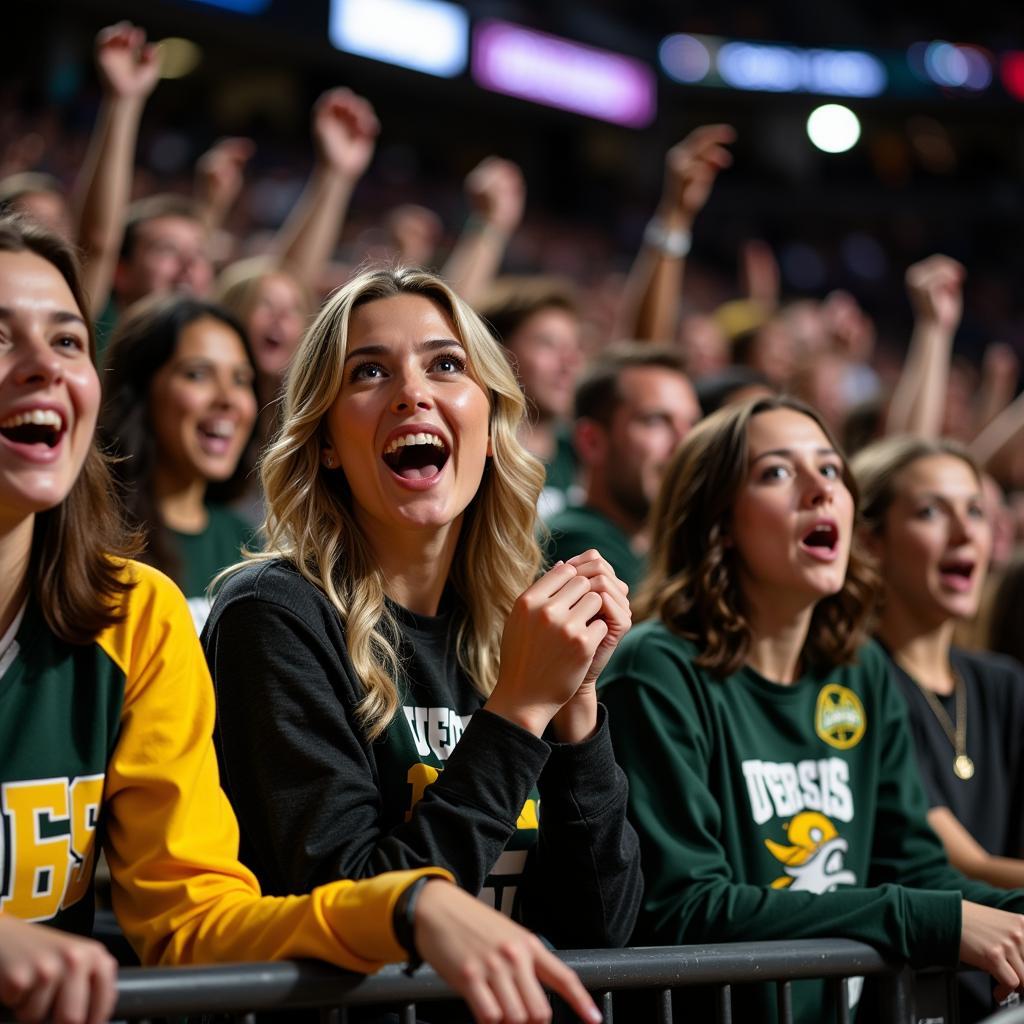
{"points": [[316, 801]]}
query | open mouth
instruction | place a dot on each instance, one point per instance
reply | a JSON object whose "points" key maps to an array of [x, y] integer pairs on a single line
{"points": [[416, 456], [957, 573], [822, 540], [216, 435], [37, 426]]}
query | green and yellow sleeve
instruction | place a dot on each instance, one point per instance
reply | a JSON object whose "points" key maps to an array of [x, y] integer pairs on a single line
{"points": [[180, 893]]}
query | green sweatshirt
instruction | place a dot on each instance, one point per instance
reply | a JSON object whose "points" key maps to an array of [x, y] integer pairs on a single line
{"points": [[780, 812]]}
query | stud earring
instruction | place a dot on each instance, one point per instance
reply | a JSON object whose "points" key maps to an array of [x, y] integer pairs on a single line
{"points": [[329, 461]]}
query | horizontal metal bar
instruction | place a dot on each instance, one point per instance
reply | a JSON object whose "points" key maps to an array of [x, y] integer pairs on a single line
{"points": [[1011, 1015], [294, 984]]}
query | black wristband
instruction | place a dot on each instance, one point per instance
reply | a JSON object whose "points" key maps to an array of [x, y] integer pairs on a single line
{"points": [[403, 920]]}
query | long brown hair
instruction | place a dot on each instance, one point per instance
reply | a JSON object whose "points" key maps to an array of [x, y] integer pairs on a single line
{"points": [[693, 585], [75, 570]]}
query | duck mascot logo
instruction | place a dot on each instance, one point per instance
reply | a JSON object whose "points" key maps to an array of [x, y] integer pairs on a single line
{"points": [[813, 861]]}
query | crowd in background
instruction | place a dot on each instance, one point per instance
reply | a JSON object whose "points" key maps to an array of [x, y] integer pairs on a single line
{"points": [[213, 240], [202, 287]]}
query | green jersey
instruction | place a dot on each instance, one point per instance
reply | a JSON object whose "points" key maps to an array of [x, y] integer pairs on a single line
{"points": [[560, 478], [780, 812], [205, 554], [111, 742]]}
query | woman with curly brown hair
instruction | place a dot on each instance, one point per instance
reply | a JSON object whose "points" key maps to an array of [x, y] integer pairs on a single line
{"points": [[771, 773]]}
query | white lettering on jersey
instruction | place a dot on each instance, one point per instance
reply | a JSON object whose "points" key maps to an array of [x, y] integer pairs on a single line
{"points": [[784, 789], [435, 730]]}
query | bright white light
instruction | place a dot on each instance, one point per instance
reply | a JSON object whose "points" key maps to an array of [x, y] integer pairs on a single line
{"points": [[426, 35], [833, 128]]}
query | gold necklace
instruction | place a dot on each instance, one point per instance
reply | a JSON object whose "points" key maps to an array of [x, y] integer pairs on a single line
{"points": [[963, 766]]}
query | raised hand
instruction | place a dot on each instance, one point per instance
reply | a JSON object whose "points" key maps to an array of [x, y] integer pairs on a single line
{"points": [[759, 272], [935, 287], [129, 67], [497, 966], [548, 647], [1000, 363], [848, 325], [415, 232], [345, 130], [48, 975], [220, 172], [691, 167], [496, 191]]}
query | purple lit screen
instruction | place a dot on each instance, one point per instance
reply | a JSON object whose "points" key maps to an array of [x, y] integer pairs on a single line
{"points": [[558, 73]]}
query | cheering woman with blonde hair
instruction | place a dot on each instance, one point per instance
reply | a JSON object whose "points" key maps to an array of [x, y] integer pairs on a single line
{"points": [[106, 715], [397, 684]]}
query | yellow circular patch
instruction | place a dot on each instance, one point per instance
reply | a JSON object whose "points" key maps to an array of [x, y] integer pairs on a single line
{"points": [[839, 717]]}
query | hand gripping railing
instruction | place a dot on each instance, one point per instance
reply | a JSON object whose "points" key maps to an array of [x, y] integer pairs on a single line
{"points": [[245, 989]]}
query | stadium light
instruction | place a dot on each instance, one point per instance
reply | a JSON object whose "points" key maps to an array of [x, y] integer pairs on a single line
{"points": [[833, 128], [771, 67], [431, 36], [560, 73]]}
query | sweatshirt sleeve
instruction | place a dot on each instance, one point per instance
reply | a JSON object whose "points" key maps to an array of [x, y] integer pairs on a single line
{"points": [[304, 781], [179, 892], [585, 836], [692, 894]]}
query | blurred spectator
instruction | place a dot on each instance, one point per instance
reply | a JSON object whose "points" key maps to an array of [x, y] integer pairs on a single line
{"points": [[178, 414], [633, 407], [38, 196], [537, 321]]}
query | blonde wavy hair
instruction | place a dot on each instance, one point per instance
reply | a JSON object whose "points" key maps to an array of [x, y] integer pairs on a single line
{"points": [[310, 519]]}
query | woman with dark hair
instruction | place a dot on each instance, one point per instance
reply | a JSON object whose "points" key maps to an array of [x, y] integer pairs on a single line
{"points": [[106, 716], [771, 772], [178, 414]]}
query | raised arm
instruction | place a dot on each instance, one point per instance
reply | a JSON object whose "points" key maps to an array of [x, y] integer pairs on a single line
{"points": [[345, 130], [655, 284], [935, 287], [1001, 436], [128, 68], [219, 179], [759, 273], [496, 192]]}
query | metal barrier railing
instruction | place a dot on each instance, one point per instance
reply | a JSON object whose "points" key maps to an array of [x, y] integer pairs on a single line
{"points": [[1012, 1015], [245, 989]]}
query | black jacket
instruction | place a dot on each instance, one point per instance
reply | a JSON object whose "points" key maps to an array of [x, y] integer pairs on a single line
{"points": [[316, 801]]}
